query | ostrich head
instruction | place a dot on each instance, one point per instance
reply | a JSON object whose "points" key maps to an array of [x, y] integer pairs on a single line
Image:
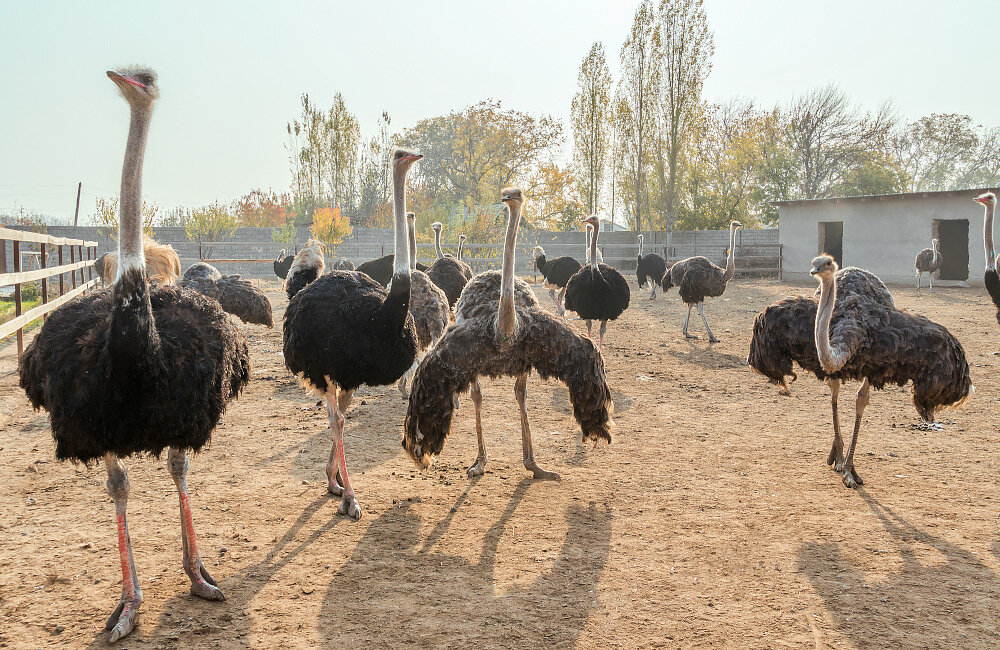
{"points": [[512, 196], [988, 199], [411, 216], [403, 158], [437, 225], [461, 238], [137, 85], [735, 224], [640, 238], [538, 251], [823, 267], [593, 220]]}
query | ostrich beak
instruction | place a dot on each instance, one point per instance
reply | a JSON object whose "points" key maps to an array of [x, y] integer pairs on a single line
{"points": [[981, 200], [413, 156], [122, 79]]}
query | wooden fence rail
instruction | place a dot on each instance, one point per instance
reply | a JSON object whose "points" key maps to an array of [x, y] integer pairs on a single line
{"points": [[84, 268]]}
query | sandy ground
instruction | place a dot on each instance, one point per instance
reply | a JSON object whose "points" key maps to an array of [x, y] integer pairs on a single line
{"points": [[712, 520]]}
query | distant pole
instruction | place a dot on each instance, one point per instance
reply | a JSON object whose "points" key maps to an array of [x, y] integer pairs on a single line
{"points": [[76, 215]]}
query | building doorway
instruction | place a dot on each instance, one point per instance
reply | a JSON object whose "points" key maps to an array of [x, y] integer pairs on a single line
{"points": [[953, 235], [831, 239]]}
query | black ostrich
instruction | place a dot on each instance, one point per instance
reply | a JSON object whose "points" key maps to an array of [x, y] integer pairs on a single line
{"points": [[500, 331], [649, 268], [597, 291], [696, 278], [990, 278], [237, 296], [557, 273], [381, 269], [861, 337], [927, 261], [135, 369], [307, 265], [344, 329], [447, 271], [282, 263]]}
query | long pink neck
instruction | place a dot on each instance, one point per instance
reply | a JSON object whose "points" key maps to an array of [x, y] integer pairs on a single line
{"points": [[991, 258], [593, 247], [130, 252], [832, 360], [506, 316]]}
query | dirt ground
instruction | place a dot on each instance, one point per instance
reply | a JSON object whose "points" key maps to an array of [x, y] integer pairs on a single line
{"points": [[713, 519]]}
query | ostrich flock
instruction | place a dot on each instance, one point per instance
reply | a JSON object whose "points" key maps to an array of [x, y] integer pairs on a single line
{"points": [[149, 362]]}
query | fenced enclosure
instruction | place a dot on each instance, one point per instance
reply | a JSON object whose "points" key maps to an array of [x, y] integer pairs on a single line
{"points": [[21, 278]]}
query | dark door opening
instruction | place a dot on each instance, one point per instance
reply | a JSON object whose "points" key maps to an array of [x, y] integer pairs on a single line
{"points": [[953, 235], [831, 239]]}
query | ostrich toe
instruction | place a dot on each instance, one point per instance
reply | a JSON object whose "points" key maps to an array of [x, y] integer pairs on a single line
{"points": [[401, 386], [334, 485], [851, 478], [689, 336], [349, 506], [478, 468], [122, 620], [203, 585], [835, 459], [538, 472], [713, 339]]}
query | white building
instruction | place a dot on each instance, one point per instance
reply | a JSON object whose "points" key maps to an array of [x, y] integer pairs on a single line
{"points": [[883, 234]]}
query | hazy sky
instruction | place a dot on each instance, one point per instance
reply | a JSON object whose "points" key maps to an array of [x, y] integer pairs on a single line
{"points": [[230, 74]]}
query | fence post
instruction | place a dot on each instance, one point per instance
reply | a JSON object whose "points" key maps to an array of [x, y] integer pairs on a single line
{"points": [[72, 259], [17, 298], [62, 288], [3, 255], [42, 255]]}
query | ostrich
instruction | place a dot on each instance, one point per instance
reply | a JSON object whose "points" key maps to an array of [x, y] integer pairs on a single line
{"points": [[597, 291], [381, 269], [461, 246], [696, 278], [448, 272], [282, 263], [871, 342], [927, 261], [162, 263], [590, 235], [343, 264], [649, 268], [557, 273], [237, 296], [428, 304], [501, 331], [991, 278], [136, 369], [307, 265], [344, 329]]}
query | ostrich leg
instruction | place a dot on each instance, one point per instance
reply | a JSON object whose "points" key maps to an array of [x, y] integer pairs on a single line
{"points": [[334, 481], [701, 310], [836, 457], [918, 280], [557, 299], [122, 620], [851, 478], [348, 504], [401, 384], [479, 467], [561, 296], [589, 325], [687, 320], [202, 584], [930, 281], [520, 386], [652, 296], [604, 328]]}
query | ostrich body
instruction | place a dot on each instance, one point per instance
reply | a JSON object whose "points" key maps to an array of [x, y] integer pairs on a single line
{"points": [[696, 278], [649, 268], [597, 291], [282, 264], [343, 264], [237, 296], [855, 337], [501, 331], [927, 261], [308, 264], [381, 269], [990, 278], [162, 263], [557, 273], [136, 369], [448, 272], [428, 304], [344, 329]]}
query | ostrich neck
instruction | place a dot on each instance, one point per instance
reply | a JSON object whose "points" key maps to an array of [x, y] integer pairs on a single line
{"points": [[130, 253], [437, 243], [461, 245], [731, 260], [831, 360], [412, 237], [593, 248], [506, 317], [401, 245], [988, 239], [640, 245]]}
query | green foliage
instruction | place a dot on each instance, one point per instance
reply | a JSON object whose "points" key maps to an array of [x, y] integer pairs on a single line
{"points": [[213, 222], [590, 118], [107, 217], [285, 234]]}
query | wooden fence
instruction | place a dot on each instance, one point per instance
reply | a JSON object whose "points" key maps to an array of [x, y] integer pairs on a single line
{"points": [[78, 267]]}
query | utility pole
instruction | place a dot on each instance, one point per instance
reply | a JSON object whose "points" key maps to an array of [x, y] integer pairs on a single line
{"points": [[76, 215]]}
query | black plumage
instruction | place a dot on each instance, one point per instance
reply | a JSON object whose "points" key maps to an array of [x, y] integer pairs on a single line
{"points": [[307, 265], [649, 269], [380, 269], [556, 271], [282, 264], [992, 281], [451, 274], [236, 296], [597, 291]]}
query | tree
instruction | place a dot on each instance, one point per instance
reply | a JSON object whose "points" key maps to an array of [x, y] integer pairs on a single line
{"points": [[209, 223], [946, 152], [330, 226], [375, 178], [635, 105], [686, 50], [590, 119], [261, 209], [107, 217], [554, 202]]}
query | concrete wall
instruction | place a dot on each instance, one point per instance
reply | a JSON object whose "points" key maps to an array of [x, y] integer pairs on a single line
{"points": [[882, 235]]}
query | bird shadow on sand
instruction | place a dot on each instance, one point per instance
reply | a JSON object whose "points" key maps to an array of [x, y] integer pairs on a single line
{"points": [[936, 586], [399, 578], [705, 355]]}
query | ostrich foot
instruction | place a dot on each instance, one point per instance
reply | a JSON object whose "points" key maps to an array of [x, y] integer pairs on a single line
{"points": [[851, 478], [349, 506], [401, 386], [835, 459], [122, 620], [689, 336], [713, 339], [203, 585], [334, 485], [478, 468], [538, 472]]}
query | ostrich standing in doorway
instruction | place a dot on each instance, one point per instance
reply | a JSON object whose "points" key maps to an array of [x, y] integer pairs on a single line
{"points": [[136, 369], [991, 277], [448, 272], [498, 333], [696, 278], [597, 291], [927, 261], [556, 273], [649, 268], [344, 329]]}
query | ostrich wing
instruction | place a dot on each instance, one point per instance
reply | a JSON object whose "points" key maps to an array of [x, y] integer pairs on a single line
{"points": [[236, 296]]}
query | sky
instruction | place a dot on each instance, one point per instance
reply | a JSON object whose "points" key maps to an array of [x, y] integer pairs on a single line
{"points": [[231, 73]]}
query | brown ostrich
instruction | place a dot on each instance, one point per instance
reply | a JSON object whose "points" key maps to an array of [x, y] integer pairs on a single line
{"points": [[696, 278], [448, 272], [495, 336], [991, 278], [927, 261], [237, 296], [871, 341], [428, 304], [162, 263]]}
